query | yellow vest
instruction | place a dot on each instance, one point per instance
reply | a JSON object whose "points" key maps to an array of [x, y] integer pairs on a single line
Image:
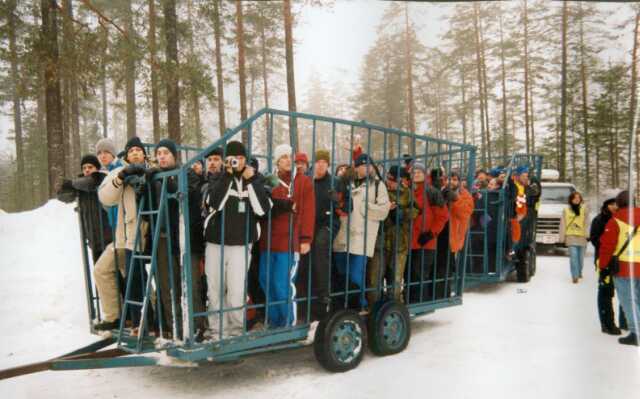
{"points": [[575, 225], [632, 253]]}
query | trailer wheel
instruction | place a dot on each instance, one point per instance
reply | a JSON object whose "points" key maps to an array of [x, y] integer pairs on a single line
{"points": [[533, 261], [340, 341], [389, 329], [522, 267]]}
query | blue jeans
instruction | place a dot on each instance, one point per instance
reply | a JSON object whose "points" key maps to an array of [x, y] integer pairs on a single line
{"points": [[576, 258], [280, 268], [628, 290], [357, 266]]}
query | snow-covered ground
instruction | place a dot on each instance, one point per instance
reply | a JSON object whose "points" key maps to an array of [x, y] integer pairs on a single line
{"points": [[539, 340]]}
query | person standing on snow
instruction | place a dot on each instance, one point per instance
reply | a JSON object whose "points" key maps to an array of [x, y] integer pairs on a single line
{"points": [[606, 289], [574, 233], [620, 254]]}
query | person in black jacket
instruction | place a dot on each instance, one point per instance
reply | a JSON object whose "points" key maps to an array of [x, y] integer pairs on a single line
{"points": [[606, 289], [327, 225], [235, 200], [95, 226]]}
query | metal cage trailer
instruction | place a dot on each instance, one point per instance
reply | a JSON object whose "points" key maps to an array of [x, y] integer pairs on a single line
{"points": [[493, 254], [366, 290]]}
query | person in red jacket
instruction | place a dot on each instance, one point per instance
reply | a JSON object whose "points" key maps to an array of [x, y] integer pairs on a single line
{"points": [[290, 235], [432, 216], [621, 239]]}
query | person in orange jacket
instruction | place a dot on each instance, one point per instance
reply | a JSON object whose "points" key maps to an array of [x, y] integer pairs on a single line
{"points": [[427, 225], [460, 206]]}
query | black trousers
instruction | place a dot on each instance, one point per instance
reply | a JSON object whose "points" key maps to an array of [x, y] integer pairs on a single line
{"points": [[606, 291], [316, 265], [420, 274]]}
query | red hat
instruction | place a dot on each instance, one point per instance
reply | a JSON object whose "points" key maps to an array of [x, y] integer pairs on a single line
{"points": [[302, 157]]}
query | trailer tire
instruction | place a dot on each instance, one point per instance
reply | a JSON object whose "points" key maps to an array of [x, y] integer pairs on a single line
{"points": [[340, 341], [533, 262], [522, 267], [389, 328]]}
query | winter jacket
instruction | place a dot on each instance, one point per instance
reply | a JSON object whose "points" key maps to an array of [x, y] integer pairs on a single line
{"points": [[283, 217], [367, 206], [574, 228], [616, 231], [460, 211], [241, 201], [326, 202], [195, 184], [114, 192], [597, 229], [432, 217], [94, 219], [173, 207], [113, 210], [397, 224]]}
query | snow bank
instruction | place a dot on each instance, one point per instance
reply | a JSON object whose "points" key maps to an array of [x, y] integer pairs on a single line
{"points": [[42, 301]]}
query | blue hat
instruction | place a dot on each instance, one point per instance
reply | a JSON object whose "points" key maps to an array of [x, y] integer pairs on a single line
{"points": [[362, 160], [521, 169], [495, 172]]}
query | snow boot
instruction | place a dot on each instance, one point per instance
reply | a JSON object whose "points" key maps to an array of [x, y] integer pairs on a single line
{"points": [[107, 325], [611, 330], [631, 339]]}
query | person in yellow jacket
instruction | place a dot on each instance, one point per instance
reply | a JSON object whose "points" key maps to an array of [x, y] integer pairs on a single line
{"points": [[574, 233]]}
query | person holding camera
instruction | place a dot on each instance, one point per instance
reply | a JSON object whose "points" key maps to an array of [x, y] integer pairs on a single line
{"points": [[117, 189], [236, 199], [619, 255]]}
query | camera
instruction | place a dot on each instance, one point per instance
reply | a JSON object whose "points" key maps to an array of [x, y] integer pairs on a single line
{"points": [[233, 162]]}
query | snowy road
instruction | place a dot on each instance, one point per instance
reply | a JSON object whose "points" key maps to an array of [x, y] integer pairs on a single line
{"points": [[537, 340]]}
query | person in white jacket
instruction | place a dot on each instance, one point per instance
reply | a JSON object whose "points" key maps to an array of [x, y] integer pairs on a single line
{"points": [[115, 192], [367, 205]]}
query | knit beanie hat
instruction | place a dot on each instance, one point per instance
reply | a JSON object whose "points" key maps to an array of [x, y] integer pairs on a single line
{"points": [[419, 166], [133, 142], [235, 149], [302, 157], [281, 150], [323, 155], [107, 145], [362, 160], [91, 159], [169, 145]]}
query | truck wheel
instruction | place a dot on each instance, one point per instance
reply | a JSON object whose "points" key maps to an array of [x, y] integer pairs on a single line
{"points": [[389, 329], [522, 267], [340, 341]]}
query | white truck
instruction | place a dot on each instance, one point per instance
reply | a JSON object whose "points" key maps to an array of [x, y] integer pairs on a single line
{"points": [[553, 200]]}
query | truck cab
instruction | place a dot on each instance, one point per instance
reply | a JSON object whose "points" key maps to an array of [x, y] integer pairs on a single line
{"points": [[552, 203]]}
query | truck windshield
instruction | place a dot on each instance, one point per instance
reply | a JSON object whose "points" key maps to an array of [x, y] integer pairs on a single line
{"points": [[556, 195]]}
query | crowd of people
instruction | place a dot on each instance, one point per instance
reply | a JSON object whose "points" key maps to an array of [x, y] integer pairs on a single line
{"points": [[268, 250]]}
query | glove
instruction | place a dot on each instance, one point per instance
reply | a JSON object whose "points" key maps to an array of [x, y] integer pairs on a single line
{"points": [[67, 185], [131, 170], [149, 173], [425, 237], [451, 195]]}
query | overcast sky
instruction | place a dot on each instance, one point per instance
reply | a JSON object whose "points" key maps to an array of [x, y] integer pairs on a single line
{"points": [[331, 43]]}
